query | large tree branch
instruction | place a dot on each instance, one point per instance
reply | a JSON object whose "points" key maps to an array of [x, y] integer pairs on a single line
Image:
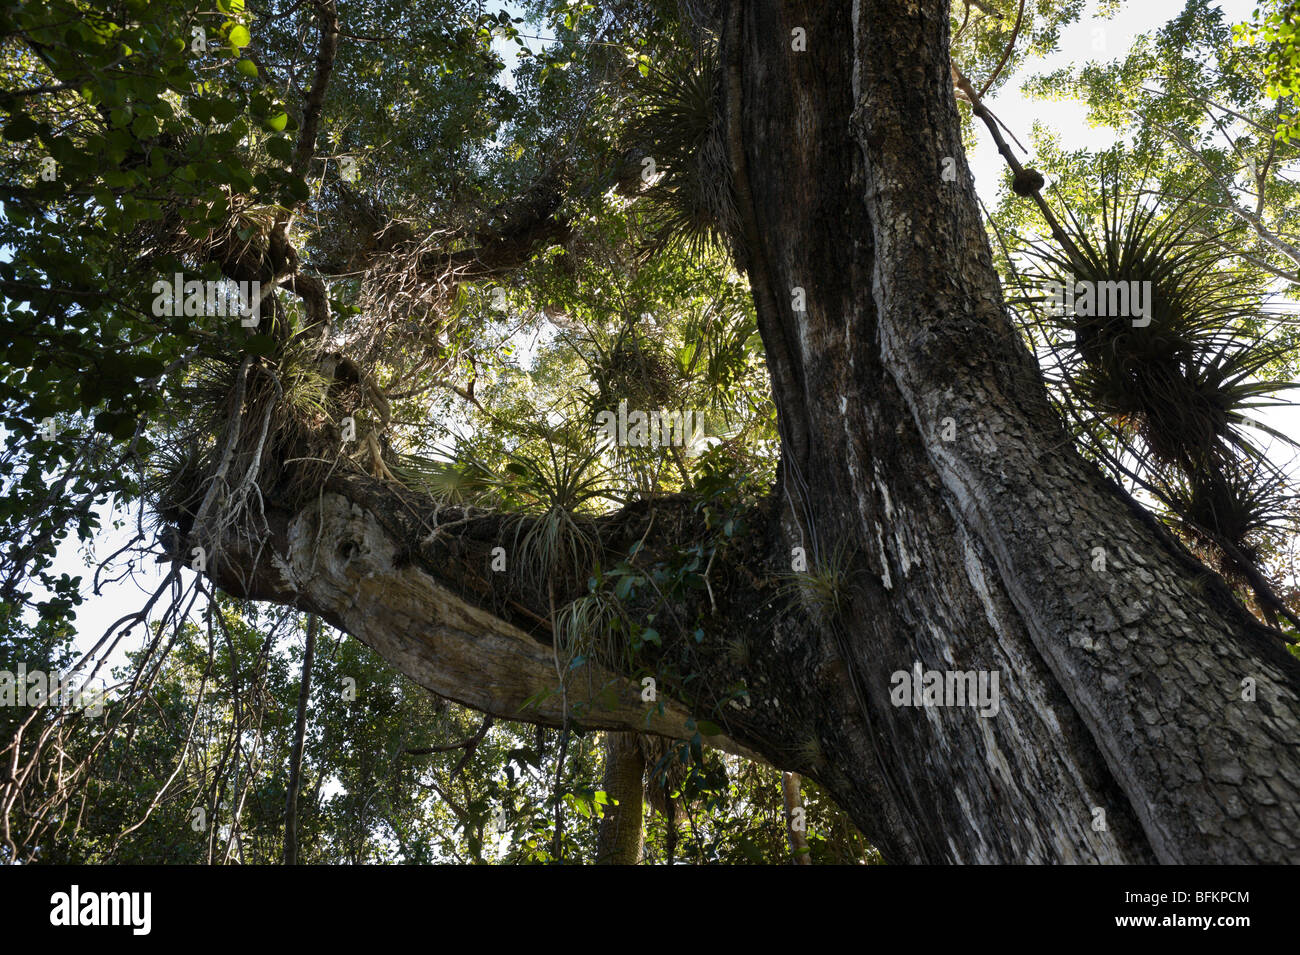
{"points": [[515, 231], [360, 563]]}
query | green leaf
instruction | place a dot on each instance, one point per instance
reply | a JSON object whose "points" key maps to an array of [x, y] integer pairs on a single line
{"points": [[20, 127], [145, 127], [239, 37], [225, 110], [248, 68], [280, 148], [116, 424], [260, 345]]}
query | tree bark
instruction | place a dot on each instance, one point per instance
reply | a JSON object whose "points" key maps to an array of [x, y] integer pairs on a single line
{"points": [[795, 824], [1121, 735], [1123, 685], [621, 833]]}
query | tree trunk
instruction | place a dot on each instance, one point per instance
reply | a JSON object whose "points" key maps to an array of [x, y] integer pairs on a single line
{"points": [[1121, 687], [620, 837], [1120, 733], [795, 823], [295, 756]]}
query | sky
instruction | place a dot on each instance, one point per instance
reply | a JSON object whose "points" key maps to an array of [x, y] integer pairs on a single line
{"points": [[1089, 38]]}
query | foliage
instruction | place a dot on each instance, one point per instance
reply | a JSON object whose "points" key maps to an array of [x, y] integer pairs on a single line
{"points": [[1274, 27], [467, 264]]}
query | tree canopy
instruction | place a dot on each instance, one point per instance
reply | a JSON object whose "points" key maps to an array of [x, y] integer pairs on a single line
{"points": [[253, 249]]}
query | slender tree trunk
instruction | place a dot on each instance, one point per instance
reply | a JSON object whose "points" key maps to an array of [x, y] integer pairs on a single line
{"points": [[620, 837], [1141, 714], [295, 756], [795, 823]]}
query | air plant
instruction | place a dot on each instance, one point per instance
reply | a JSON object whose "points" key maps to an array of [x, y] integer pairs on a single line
{"points": [[1169, 398], [637, 368], [825, 584], [677, 125], [1232, 504], [1179, 377]]}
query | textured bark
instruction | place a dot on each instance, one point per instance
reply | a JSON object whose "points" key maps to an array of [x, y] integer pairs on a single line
{"points": [[1123, 686], [621, 833], [795, 826], [1121, 734], [352, 564]]}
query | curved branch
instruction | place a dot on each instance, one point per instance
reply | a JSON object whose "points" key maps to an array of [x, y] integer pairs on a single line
{"points": [[349, 561], [1006, 54]]}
